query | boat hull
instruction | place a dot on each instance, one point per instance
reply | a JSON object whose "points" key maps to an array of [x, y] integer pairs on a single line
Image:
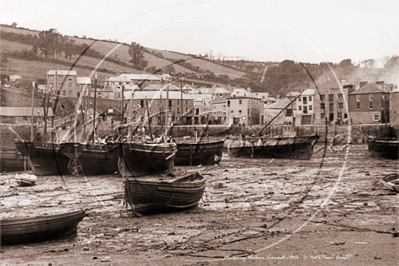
{"points": [[91, 159], [44, 158], [384, 148], [273, 147], [152, 193], [40, 228], [195, 153], [139, 159], [12, 160]]}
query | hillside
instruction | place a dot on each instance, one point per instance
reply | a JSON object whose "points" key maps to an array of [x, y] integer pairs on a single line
{"points": [[120, 53]]}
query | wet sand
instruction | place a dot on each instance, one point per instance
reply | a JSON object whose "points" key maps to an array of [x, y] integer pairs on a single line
{"points": [[266, 211]]}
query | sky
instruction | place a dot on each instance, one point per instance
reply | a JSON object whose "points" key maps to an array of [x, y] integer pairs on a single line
{"points": [[310, 31]]}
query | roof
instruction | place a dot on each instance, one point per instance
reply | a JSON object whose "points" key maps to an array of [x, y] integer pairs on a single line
{"points": [[62, 72], [118, 79], [139, 77], [219, 100], [243, 97], [308, 92], [83, 80], [221, 90], [368, 89], [279, 104], [269, 99], [172, 95], [157, 87], [23, 111]]}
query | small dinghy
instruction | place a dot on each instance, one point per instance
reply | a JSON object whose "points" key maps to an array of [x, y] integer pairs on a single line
{"points": [[28, 230], [26, 179]]}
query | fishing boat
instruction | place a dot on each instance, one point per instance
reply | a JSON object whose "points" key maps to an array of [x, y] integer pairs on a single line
{"points": [[386, 148], [27, 230], [12, 160], [91, 158], [278, 147], [45, 158], [154, 193], [198, 152], [140, 158]]}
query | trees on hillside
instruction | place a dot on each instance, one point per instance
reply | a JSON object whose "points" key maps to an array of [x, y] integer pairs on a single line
{"points": [[136, 51]]}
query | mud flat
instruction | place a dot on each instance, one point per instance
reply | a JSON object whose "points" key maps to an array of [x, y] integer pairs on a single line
{"points": [[323, 211]]}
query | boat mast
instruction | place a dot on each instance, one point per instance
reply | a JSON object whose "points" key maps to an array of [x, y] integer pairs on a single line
{"points": [[94, 107], [31, 118]]}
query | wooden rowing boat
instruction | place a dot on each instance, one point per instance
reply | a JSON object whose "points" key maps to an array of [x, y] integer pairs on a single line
{"points": [[154, 193], [25, 179], [27, 230]]}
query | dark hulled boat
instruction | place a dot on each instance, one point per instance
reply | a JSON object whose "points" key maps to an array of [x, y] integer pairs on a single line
{"points": [[154, 193], [70, 158], [272, 147], [91, 158], [44, 158], [145, 158], [12, 160], [386, 148], [27, 230], [204, 152]]}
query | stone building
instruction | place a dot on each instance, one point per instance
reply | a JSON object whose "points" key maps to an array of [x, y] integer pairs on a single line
{"points": [[394, 106], [369, 104], [242, 110], [62, 82]]}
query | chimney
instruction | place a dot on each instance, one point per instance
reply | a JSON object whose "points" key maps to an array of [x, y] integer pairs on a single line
{"points": [[380, 85], [362, 83]]}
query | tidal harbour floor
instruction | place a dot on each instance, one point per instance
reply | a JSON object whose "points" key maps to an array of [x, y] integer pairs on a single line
{"points": [[322, 211]]}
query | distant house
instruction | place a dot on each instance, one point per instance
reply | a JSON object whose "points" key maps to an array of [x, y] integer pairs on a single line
{"points": [[394, 106], [83, 85], [17, 115], [242, 110], [15, 77], [62, 82], [367, 105], [111, 113]]}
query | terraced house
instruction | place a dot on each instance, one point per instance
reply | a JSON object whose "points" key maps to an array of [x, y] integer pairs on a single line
{"points": [[370, 103], [62, 82]]}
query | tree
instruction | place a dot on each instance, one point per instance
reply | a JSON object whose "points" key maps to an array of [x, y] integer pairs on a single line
{"points": [[14, 24], [136, 51]]}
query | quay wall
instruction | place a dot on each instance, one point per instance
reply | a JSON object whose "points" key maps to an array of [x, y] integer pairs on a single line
{"points": [[358, 133]]}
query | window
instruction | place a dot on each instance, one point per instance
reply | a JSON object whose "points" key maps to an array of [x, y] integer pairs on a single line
{"points": [[376, 117], [178, 102], [340, 97], [141, 102], [70, 93], [186, 110], [239, 111], [305, 109], [228, 103], [299, 108], [119, 94], [357, 106], [345, 115], [178, 110], [322, 97], [170, 103], [299, 99], [371, 105], [305, 100], [370, 97], [78, 94], [322, 106], [331, 107], [239, 101], [358, 98], [196, 111], [232, 111], [310, 98], [310, 108], [186, 102], [331, 97], [64, 93], [341, 105], [322, 115]]}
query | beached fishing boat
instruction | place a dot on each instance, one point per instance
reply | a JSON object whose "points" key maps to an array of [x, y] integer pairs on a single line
{"points": [[12, 160], [27, 230], [91, 158], [387, 148], [145, 158], [193, 152], [278, 147], [157, 193], [45, 158]]}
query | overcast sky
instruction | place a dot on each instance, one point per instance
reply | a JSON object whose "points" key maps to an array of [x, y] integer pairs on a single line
{"points": [[299, 30]]}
